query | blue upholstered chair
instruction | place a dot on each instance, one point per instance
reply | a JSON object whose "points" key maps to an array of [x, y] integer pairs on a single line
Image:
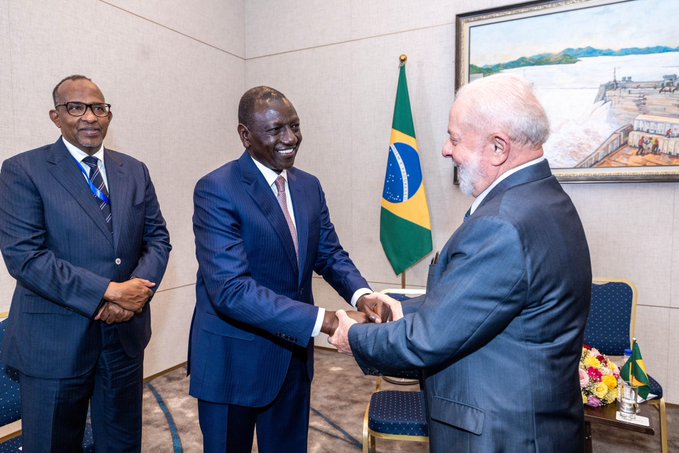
{"points": [[10, 408], [396, 414], [10, 401], [610, 329]]}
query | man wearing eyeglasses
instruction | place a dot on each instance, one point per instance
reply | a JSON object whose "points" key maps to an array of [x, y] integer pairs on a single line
{"points": [[82, 233]]}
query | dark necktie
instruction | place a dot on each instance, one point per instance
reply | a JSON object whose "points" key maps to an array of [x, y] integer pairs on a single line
{"points": [[98, 181], [283, 202]]}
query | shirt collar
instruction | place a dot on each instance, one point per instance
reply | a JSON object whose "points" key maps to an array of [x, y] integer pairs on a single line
{"points": [[268, 173], [78, 154], [502, 177]]}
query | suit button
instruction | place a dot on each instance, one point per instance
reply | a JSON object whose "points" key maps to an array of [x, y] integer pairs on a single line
{"points": [[118, 261]]}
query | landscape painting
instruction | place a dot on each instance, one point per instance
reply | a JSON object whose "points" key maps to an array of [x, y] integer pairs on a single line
{"points": [[606, 72]]}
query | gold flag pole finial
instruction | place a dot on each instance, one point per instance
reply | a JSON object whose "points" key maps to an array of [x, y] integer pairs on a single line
{"points": [[402, 59]]}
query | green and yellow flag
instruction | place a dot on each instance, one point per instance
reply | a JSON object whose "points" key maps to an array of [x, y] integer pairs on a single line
{"points": [[639, 376], [405, 225]]}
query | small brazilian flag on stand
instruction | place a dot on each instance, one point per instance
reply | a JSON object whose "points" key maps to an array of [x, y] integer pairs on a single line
{"points": [[639, 376], [405, 225]]}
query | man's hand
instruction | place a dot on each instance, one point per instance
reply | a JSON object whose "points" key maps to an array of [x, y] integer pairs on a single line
{"points": [[111, 313], [380, 308], [340, 339], [131, 295], [374, 308], [331, 321]]}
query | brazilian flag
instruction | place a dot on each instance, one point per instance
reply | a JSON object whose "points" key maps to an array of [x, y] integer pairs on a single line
{"points": [[405, 225], [634, 372]]}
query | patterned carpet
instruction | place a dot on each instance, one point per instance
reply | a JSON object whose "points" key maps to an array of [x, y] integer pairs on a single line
{"points": [[340, 393]]}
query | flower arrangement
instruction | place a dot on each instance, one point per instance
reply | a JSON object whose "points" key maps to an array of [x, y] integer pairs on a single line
{"points": [[598, 378]]}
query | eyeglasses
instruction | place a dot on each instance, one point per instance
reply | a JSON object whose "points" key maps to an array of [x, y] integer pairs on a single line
{"points": [[79, 108]]}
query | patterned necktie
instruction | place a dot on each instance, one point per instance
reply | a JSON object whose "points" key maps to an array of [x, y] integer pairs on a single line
{"points": [[283, 202], [98, 181]]}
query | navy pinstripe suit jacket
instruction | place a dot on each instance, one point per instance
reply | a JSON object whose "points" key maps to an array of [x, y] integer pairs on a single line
{"points": [[56, 244], [253, 302]]}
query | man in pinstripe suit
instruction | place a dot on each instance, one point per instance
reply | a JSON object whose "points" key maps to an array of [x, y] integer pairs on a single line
{"points": [[258, 241], [87, 244]]}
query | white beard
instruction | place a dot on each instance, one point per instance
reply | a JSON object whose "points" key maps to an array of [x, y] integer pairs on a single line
{"points": [[470, 174]]}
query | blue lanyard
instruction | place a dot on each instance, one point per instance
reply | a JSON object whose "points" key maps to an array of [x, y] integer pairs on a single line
{"points": [[95, 190]]}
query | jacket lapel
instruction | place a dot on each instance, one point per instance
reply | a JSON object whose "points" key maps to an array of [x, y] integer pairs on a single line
{"points": [[301, 216], [266, 201], [68, 174], [119, 188]]}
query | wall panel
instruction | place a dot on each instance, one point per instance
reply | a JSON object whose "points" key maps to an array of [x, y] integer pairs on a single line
{"points": [[217, 23]]}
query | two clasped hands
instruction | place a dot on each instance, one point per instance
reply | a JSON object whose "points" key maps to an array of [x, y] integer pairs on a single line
{"points": [[125, 299], [375, 307]]}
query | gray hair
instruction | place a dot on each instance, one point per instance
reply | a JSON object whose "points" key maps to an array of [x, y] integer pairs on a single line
{"points": [[506, 102]]}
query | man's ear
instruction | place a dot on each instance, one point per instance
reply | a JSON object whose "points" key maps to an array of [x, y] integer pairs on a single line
{"points": [[244, 134], [502, 146], [54, 116]]}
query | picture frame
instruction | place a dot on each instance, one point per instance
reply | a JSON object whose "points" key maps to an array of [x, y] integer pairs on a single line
{"points": [[611, 94]]}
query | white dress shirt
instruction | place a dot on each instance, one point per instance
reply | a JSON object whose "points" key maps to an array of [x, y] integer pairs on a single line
{"points": [[78, 154]]}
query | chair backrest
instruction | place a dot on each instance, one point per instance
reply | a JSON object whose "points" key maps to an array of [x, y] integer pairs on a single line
{"points": [[610, 325], [10, 400]]}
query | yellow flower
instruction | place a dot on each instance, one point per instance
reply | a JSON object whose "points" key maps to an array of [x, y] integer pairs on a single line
{"points": [[592, 362], [610, 381], [612, 366], [611, 396], [584, 399], [600, 390]]}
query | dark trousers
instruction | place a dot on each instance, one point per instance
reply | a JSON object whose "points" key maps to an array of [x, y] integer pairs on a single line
{"points": [[282, 426], [54, 411]]}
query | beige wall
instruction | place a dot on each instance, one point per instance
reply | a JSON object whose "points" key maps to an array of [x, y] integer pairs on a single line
{"points": [[174, 72]]}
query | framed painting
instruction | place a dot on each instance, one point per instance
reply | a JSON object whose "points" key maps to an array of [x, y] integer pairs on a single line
{"points": [[605, 71]]}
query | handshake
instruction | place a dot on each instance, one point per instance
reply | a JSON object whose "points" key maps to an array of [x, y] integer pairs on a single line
{"points": [[376, 308]]}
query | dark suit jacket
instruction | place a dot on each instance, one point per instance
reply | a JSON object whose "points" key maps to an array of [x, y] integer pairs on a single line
{"points": [[253, 302], [56, 244], [499, 332]]}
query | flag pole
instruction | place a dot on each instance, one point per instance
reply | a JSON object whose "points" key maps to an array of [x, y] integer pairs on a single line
{"points": [[402, 61], [631, 363]]}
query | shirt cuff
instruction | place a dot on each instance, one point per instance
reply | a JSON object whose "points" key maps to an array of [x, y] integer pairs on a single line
{"points": [[319, 322], [357, 295]]}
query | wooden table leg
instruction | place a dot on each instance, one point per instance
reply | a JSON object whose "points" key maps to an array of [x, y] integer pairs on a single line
{"points": [[588, 438]]}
